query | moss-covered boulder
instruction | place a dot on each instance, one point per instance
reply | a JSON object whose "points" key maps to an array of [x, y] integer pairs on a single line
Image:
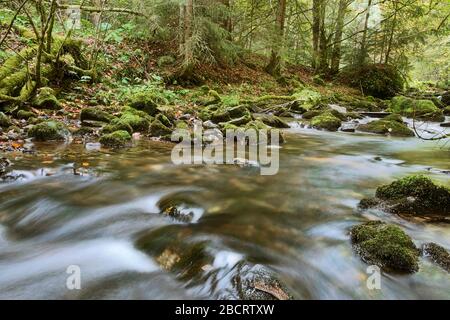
{"points": [[95, 114], [145, 102], [386, 246], [377, 80], [159, 129], [230, 113], [5, 121], [311, 114], [48, 130], [46, 99], [326, 121], [412, 195], [116, 139], [138, 123], [385, 126], [270, 120], [418, 109], [438, 254], [24, 114]]}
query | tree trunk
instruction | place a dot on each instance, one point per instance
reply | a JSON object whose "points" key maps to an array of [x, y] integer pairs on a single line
{"points": [[188, 25], [391, 35], [275, 64], [336, 54], [363, 52], [316, 31], [227, 24]]}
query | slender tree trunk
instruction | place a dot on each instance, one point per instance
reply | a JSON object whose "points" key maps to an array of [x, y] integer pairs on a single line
{"points": [[363, 51], [227, 23], [275, 64], [188, 25], [336, 54], [317, 4], [391, 35]]}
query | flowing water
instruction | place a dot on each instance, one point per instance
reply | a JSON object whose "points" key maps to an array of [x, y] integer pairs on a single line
{"points": [[77, 205]]}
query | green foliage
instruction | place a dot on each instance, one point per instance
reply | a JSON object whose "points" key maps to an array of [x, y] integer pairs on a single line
{"points": [[116, 139]]}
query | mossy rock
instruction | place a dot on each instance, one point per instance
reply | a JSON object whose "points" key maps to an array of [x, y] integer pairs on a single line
{"points": [[229, 113], [438, 254], [394, 117], [24, 114], [164, 120], [418, 109], [144, 102], [326, 121], [384, 126], [116, 139], [95, 114], [272, 121], [137, 123], [447, 111], [445, 99], [412, 195], [386, 246], [311, 114], [48, 130], [46, 99], [159, 129], [118, 126], [5, 121], [377, 80]]}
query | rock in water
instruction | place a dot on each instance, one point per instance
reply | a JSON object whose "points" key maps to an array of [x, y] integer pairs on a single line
{"points": [[438, 254], [386, 246], [413, 195]]}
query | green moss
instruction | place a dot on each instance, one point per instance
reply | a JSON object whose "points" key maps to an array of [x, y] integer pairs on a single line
{"points": [[447, 111], [394, 117], [307, 95], [23, 114], [418, 109], [438, 254], [378, 80], [158, 129], [115, 139], [384, 126], [5, 121], [45, 99], [230, 113], [49, 130], [117, 126], [143, 101], [311, 114], [95, 114], [386, 246], [136, 122], [326, 121], [272, 121], [165, 61], [164, 120]]}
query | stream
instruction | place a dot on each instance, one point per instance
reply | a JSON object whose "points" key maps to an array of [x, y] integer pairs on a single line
{"points": [[85, 206]]}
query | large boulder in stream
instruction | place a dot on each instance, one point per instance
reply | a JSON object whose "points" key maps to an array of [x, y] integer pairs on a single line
{"points": [[388, 126], [413, 195], [116, 139], [270, 120], [386, 246], [327, 121], [424, 110]]}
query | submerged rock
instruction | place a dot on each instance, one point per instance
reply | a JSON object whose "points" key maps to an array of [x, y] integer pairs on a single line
{"points": [[95, 114], [387, 126], [48, 130], [418, 109], [438, 254], [115, 139], [257, 282], [413, 195], [386, 246], [178, 207]]}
